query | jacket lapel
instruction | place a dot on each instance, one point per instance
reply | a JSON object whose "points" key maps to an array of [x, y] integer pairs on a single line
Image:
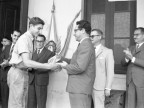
{"points": [[139, 49], [99, 51], [41, 53], [35, 56]]}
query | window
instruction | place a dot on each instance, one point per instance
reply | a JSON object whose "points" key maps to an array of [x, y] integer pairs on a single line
{"points": [[117, 20]]}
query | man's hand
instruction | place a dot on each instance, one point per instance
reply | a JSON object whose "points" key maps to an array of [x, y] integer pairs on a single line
{"points": [[5, 63], [54, 59], [128, 54], [58, 69], [58, 57], [107, 92], [52, 66], [62, 64]]}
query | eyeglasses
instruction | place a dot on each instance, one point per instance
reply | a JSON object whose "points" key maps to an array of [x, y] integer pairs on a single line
{"points": [[39, 41], [137, 34], [75, 30], [92, 36]]}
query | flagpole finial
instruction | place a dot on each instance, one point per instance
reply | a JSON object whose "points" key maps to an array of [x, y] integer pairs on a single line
{"points": [[53, 7]]}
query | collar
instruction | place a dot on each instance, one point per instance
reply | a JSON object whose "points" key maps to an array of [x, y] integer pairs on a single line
{"points": [[40, 49], [30, 35], [83, 39], [140, 44], [12, 44], [97, 47]]}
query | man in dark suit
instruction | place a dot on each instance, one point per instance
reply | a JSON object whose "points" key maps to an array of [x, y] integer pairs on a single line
{"points": [[5, 41], [6, 55], [81, 69], [38, 78], [134, 58]]}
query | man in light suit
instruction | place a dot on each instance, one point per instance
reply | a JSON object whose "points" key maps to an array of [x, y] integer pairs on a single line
{"points": [[81, 69], [38, 78], [134, 59], [104, 69]]}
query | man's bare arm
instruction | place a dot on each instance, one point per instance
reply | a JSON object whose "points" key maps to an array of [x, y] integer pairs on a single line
{"points": [[33, 64]]}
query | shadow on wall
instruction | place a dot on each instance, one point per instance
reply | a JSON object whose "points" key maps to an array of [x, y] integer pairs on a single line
{"points": [[118, 53], [118, 56]]}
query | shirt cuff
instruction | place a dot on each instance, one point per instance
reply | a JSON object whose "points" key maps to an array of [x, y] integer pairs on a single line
{"points": [[133, 59]]}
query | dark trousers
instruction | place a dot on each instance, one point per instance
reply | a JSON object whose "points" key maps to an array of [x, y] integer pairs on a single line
{"points": [[4, 94], [37, 96], [80, 100], [134, 96]]}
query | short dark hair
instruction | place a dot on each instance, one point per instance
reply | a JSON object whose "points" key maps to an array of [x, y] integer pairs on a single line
{"points": [[99, 32], [141, 29], [41, 35], [7, 37], [16, 31], [36, 21], [84, 24]]}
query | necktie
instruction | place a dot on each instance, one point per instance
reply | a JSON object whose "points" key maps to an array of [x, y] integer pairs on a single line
{"points": [[33, 44], [10, 53], [137, 47], [38, 51]]}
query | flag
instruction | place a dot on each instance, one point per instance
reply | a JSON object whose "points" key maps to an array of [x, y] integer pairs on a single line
{"points": [[68, 37], [56, 38]]}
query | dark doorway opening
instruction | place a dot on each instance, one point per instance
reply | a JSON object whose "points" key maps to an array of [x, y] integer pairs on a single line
{"points": [[9, 17]]}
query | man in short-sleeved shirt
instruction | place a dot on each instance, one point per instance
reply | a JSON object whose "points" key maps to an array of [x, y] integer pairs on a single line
{"points": [[24, 45], [20, 61]]}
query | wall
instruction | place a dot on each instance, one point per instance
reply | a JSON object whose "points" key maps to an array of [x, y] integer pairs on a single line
{"points": [[65, 12], [140, 13]]}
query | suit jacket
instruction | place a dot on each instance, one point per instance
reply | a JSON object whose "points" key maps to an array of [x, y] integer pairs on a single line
{"points": [[135, 70], [5, 55], [81, 70], [104, 68], [40, 76]]}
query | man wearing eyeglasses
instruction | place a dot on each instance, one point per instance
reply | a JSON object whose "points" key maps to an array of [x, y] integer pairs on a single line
{"points": [[81, 68], [134, 59], [38, 78], [104, 69]]}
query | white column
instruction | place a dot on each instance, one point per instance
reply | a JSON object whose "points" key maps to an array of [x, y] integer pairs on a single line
{"points": [[140, 13]]}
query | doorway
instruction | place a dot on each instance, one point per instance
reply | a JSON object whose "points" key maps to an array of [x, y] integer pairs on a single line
{"points": [[13, 15]]}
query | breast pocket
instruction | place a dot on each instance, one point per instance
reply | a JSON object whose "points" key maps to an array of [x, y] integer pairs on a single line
{"points": [[100, 62]]}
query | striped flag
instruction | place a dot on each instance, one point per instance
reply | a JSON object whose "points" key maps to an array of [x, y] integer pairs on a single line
{"points": [[56, 38], [68, 37]]}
